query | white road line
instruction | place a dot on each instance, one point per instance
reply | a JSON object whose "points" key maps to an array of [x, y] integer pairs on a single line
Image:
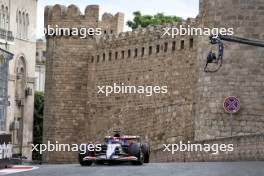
{"points": [[16, 169]]}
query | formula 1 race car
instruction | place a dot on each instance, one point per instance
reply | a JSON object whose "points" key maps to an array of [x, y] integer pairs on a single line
{"points": [[117, 149]]}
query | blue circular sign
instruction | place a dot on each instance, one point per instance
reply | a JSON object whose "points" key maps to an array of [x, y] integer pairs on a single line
{"points": [[231, 104]]}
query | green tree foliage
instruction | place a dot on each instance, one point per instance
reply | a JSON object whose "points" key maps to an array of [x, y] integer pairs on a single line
{"points": [[146, 20], [38, 122]]}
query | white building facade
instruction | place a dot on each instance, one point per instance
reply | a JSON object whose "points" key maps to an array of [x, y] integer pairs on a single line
{"points": [[17, 36]]}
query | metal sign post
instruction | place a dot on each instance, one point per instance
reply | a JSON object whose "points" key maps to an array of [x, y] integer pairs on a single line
{"points": [[231, 124], [231, 105]]}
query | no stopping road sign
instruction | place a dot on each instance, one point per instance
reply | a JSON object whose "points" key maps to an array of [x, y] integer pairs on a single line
{"points": [[231, 104]]}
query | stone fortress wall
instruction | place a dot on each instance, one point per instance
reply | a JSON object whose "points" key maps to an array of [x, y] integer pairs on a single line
{"points": [[192, 108]]}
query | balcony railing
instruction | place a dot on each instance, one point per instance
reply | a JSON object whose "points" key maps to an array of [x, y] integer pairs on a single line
{"points": [[6, 35]]}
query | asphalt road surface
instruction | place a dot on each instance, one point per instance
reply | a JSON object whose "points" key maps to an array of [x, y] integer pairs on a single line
{"points": [[153, 169]]}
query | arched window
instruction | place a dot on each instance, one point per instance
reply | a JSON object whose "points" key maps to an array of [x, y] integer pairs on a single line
{"points": [[23, 25], [4, 21], [27, 25], [19, 24], [7, 18], [2, 17], [20, 66]]}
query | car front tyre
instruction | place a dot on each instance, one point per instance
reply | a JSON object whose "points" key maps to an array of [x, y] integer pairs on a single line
{"points": [[136, 151]]}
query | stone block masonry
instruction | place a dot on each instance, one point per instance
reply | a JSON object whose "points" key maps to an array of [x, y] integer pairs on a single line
{"points": [[192, 108]]}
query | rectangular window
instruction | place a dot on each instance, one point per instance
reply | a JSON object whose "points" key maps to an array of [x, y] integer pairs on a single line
{"points": [[103, 57], [116, 55], [98, 58], [173, 46], [123, 54], [191, 42], [150, 50], [44, 53], [92, 59], [142, 51], [136, 53], [129, 53], [157, 48], [165, 47], [110, 56], [182, 44]]}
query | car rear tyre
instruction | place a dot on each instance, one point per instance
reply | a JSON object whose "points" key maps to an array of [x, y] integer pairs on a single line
{"points": [[84, 163], [83, 154]]}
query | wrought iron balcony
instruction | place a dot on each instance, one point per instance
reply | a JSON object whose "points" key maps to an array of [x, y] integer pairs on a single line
{"points": [[6, 35]]}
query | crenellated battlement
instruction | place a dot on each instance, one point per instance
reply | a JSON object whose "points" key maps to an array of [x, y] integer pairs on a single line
{"points": [[148, 32], [152, 47], [61, 12], [143, 42], [71, 16]]}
